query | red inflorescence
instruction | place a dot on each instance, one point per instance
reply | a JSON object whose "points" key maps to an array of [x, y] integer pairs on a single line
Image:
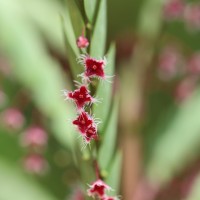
{"points": [[81, 97], [98, 188], [86, 126], [82, 42], [93, 67]]}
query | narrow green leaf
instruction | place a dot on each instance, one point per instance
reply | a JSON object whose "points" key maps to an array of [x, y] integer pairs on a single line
{"points": [[76, 17], [109, 140], [36, 71], [16, 186], [150, 19], [114, 174], [178, 144], [72, 56], [69, 31], [98, 40], [90, 6], [104, 91]]}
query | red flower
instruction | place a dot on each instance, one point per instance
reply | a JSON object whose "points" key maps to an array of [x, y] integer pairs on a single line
{"points": [[12, 118], [35, 136], [82, 42], [35, 163], [173, 9], [192, 16], [93, 67], [98, 188], [90, 134], [81, 96], [170, 63], [86, 126], [84, 121]]}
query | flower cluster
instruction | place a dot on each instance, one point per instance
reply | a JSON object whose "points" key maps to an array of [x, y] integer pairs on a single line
{"points": [[35, 139], [173, 65], [189, 13], [85, 123]]}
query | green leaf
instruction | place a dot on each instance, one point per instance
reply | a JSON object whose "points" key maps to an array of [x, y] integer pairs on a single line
{"points": [[72, 56], [178, 144], [150, 19], [104, 91], [109, 140], [90, 6], [16, 186], [76, 17], [70, 35], [37, 71], [98, 40], [114, 173]]}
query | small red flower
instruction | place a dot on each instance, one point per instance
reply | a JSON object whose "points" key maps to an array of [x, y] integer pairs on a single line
{"points": [[173, 9], [90, 134], [170, 63], [98, 188], [83, 122], [36, 164], [82, 42], [192, 16], [35, 136], [13, 118], [93, 67], [81, 97]]}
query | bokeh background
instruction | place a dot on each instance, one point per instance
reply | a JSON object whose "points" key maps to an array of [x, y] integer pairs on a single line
{"points": [[155, 121]]}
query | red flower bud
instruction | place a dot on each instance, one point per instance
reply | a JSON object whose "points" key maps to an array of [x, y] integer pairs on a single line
{"points": [[82, 42]]}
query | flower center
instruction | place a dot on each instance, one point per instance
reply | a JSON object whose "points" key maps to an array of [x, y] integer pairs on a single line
{"points": [[82, 122], [80, 96], [90, 131], [94, 67]]}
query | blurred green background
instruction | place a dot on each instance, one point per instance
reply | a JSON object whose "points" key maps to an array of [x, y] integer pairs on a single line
{"points": [[150, 113]]}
